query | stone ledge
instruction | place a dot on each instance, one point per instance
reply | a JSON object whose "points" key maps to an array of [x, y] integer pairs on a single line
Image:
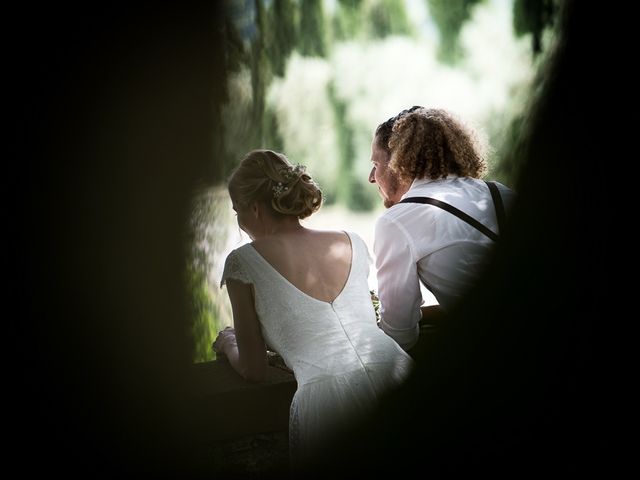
{"points": [[263, 455], [227, 407]]}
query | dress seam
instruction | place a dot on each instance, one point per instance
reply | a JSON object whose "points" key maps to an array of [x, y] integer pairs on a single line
{"points": [[355, 350]]}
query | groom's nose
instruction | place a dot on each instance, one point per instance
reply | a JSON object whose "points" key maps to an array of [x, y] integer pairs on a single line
{"points": [[372, 178]]}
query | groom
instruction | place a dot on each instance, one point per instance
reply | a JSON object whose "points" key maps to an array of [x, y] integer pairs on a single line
{"points": [[428, 166]]}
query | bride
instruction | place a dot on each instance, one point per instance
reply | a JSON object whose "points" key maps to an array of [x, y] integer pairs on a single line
{"points": [[304, 293]]}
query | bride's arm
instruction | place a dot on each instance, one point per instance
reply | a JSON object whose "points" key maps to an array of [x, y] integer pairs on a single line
{"points": [[244, 347]]}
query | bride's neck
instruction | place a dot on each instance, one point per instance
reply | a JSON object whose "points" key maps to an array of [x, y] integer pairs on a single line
{"points": [[287, 224]]}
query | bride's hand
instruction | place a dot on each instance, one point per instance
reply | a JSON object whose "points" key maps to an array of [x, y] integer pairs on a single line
{"points": [[225, 337]]}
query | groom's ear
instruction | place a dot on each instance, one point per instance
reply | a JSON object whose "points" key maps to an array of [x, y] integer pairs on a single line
{"points": [[255, 209]]}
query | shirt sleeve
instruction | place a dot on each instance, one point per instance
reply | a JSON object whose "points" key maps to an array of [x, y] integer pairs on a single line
{"points": [[233, 270], [398, 283]]}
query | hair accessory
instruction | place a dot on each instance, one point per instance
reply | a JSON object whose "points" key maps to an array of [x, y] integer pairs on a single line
{"points": [[279, 189], [294, 173], [290, 175]]}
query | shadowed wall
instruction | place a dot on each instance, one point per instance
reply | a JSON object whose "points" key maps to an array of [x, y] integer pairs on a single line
{"points": [[115, 128]]}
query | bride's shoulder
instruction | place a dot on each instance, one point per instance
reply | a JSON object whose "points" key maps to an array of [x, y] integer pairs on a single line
{"points": [[335, 234], [352, 236], [240, 252], [242, 248]]}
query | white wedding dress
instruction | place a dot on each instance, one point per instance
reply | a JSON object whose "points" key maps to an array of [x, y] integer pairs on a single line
{"points": [[342, 361]]}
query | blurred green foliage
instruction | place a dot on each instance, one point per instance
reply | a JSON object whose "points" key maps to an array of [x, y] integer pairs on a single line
{"points": [[350, 189], [284, 87], [511, 150], [387, 17], [370, 19], [208, 232], [450, 16], [347, 22], [203, 314], [279, 29], [255, 61], [313, 41], [249, 120], [533, 17]]}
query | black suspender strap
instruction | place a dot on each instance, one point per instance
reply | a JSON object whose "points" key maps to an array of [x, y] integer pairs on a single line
{"points": [[497, 203], [463, 216]]}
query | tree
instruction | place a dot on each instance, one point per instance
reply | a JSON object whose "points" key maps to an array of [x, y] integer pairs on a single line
{"points": [[313, 42], [450, 16]]}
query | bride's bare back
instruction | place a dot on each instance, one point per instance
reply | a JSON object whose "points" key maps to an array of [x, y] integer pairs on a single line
{"points": [[316, 262]]}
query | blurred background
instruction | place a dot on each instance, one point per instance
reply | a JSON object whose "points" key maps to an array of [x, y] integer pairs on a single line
{"points": [[314, 78]]}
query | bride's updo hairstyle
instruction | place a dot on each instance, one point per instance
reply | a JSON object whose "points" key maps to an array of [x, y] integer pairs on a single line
{"points": [[268, 177]]}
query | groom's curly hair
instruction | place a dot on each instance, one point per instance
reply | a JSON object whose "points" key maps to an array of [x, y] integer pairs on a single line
{"points": [[432, 143], [384, 130]]}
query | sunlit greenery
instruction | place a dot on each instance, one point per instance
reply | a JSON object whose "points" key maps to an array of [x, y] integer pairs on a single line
{"points": [[450, 16], [316, 77], [313, 41], [313, 78], [210, 308], [205, 321]]}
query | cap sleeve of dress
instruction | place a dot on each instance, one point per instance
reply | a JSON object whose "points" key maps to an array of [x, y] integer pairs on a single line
{"points": [[234, 270], [362, 246]]}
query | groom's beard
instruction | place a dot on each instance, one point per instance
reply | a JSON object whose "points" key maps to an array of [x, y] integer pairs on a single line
{"points": [[392, 189]]}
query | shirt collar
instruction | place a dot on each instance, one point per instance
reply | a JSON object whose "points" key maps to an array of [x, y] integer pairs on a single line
{"points": [[419, 182]]}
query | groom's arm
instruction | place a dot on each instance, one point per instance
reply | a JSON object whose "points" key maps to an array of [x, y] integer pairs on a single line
{"points": [[398, 283]]}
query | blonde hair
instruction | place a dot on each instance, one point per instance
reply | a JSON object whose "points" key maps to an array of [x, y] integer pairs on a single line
{"points": [[431, 142], [268, 177]]}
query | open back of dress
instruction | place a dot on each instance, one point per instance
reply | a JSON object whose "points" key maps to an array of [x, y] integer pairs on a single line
{"points": [[342, 361]]}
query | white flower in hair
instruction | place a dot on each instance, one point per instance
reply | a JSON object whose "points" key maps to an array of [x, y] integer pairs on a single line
{"points": [[290, 175], [279, 189], [293, 173]]}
